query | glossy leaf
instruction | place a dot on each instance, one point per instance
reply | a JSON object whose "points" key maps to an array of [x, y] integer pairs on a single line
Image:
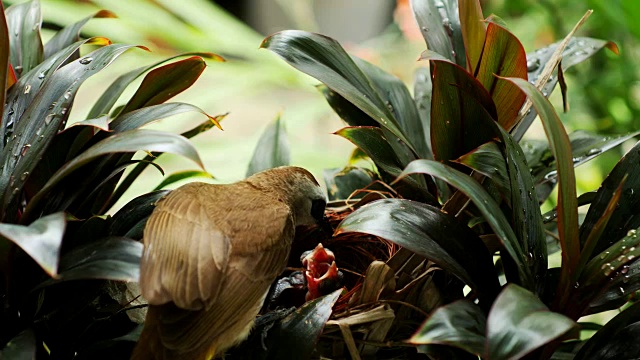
{"points": [[585, 146], [567, 199], [128, 141], [4, 68], [489, 161], [422, 93], [399, 101], [346, 110], [374, 144], [165, 82], [427, 231], [503, 55], [461, 324], [107, 259], [626, 215], [135, 212], [342, 183], [578, 50], [619, 290], [182, 175], [440, 26], [140, 117], [485, 204], [71, 33], [29, 86], [43, 119], [109, 97], [520, 323], [272, 149], [473, 31], [324, 59], [458, 122], [299, 332], [21, 347], [24, 21], [41, 240], [616, 340]]}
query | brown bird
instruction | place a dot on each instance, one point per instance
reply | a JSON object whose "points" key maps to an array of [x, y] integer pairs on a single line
{"points": [[210, 254]]}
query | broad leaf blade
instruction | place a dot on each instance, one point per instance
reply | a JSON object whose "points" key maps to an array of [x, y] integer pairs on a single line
{"points": [[108, 259], [109, 97], [483, 201], [71, 33], [488, 160], [21, 347], [41, 240], [460, 111], [272, 149], [373, 143], [324, 59], [4, 69], [140, 117], [440, 26], [399, 101], [567, 199], [520, 323], [503, 55], [300, 331], [165, 82], [128, 141], [461, 324], [342, 183], [182, 175], [135, 212], [427, 231], [24, 21], [473, 31], [616, 340]]}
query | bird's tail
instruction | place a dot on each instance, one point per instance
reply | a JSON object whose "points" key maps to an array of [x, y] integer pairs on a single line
{"points": [[151, 347]]}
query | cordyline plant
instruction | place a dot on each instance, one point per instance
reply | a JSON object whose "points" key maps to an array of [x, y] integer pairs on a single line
{"points": [[57, 183], [459, 190]]}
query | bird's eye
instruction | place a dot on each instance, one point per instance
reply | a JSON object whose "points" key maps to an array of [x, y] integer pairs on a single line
{"points": [[317, 208]]}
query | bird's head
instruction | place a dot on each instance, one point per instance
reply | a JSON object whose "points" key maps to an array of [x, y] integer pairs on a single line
{"points": [[298, 189]]}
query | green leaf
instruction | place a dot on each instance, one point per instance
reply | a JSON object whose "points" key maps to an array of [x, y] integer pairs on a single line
{"points": [[106, 101], [272, 149], [577, 50], [24, 21], [21, 347], [140, 117], [488, 160], [324, 59], [626, 215], [42, 120], [135, 213], [567, 199], [71, 33], [440, 26], [503, 55], [344, 109], [616, 340], [520, 323], [128, 141], [485, 204], [473, 31], [460, 112], [165, 82], [396, 96], [342, 183], [299, 332], [106, 259], [181, 175], [427, 231], [41, 240], [461, 324]]}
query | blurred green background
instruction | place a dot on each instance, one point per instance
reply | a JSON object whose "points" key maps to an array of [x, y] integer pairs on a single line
{"points": [[254, 86]]}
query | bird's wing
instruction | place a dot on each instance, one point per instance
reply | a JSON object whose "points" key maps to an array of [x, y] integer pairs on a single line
{"points": [[201, 236]]}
